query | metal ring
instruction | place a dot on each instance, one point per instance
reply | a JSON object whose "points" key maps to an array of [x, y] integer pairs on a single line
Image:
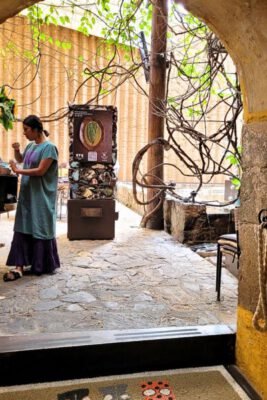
{"points": [[261, 217]]}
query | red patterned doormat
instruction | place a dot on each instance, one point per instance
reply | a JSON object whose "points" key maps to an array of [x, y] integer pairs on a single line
{"points": [[213, 383]]}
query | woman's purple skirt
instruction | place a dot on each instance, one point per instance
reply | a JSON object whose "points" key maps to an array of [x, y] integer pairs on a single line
{"points": [[41, 254]]}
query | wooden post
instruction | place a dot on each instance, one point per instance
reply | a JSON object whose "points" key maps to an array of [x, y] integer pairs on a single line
{"points": [[157, 90]]}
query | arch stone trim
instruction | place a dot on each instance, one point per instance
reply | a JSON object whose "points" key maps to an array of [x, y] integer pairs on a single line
{"points": [[11, 8]]}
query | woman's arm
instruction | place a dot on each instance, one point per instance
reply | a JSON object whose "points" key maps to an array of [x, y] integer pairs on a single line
{"points": [[39, 171]]}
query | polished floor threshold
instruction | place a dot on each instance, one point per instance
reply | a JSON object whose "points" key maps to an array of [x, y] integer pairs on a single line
{"points": [[60, 356]]}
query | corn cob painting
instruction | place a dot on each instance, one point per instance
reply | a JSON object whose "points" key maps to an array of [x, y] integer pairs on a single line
{"points": [[91, 134]]}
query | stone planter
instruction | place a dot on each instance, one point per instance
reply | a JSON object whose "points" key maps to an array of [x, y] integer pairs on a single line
{"points": [[189, 223]]}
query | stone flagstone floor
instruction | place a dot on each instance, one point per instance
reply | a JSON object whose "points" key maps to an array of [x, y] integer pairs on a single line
{"points": [[141, 279]]}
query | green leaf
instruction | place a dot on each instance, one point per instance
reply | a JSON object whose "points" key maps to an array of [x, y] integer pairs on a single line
{"points": [[54, 20], [42, 37], [58, 43], [62, 20], [232, 159], [236, 182], [66, 45]]}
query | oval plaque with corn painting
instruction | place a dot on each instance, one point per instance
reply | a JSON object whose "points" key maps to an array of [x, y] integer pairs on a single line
{"points": [[91, 133]]}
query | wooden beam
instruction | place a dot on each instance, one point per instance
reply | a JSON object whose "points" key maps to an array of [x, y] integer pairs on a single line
{"points": [[157, 91]]}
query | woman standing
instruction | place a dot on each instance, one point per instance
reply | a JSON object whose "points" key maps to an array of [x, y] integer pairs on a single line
{"points": [[34, 240]]}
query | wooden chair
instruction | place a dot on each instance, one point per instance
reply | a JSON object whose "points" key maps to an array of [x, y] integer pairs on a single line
{"points": [[62, 197], [227, 244]]}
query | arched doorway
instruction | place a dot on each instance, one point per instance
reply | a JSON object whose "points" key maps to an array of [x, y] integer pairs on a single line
{"points": [[241, 28]]}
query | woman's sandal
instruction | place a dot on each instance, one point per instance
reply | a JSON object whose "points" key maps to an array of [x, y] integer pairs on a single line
{"points": [[12, 276]]}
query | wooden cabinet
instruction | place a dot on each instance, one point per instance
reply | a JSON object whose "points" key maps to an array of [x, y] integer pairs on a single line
{"points": [[91, 219]]}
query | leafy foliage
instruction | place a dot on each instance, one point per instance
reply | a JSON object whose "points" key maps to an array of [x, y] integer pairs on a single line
{"points": [[118, 23], [7, 108], [235, 161], [39, 18]]}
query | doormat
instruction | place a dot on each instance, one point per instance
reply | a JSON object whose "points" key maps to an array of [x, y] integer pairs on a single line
{"points": [[213, 383]]}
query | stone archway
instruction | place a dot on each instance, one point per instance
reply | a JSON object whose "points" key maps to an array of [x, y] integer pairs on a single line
{"points": [[13, 7], [241, 26]]}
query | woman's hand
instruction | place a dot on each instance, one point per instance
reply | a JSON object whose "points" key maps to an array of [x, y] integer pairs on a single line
{"points": [[18, 156], [13, 166], [16, 146]]}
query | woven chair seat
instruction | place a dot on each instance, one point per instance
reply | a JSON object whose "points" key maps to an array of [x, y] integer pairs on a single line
{"points": [[228, 240]]}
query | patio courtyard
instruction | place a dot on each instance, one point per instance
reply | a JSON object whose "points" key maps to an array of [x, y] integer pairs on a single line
{"points": [[141, 279]]}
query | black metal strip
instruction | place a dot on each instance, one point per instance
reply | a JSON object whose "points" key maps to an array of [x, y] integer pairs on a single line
{"points": [[235, 372]]}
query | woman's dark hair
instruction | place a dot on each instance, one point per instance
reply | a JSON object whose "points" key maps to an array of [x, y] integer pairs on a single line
{"points": [[34, 122]]}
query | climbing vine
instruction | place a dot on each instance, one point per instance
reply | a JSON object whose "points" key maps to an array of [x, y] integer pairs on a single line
{"points": [[201, 117], [203, 99]]}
